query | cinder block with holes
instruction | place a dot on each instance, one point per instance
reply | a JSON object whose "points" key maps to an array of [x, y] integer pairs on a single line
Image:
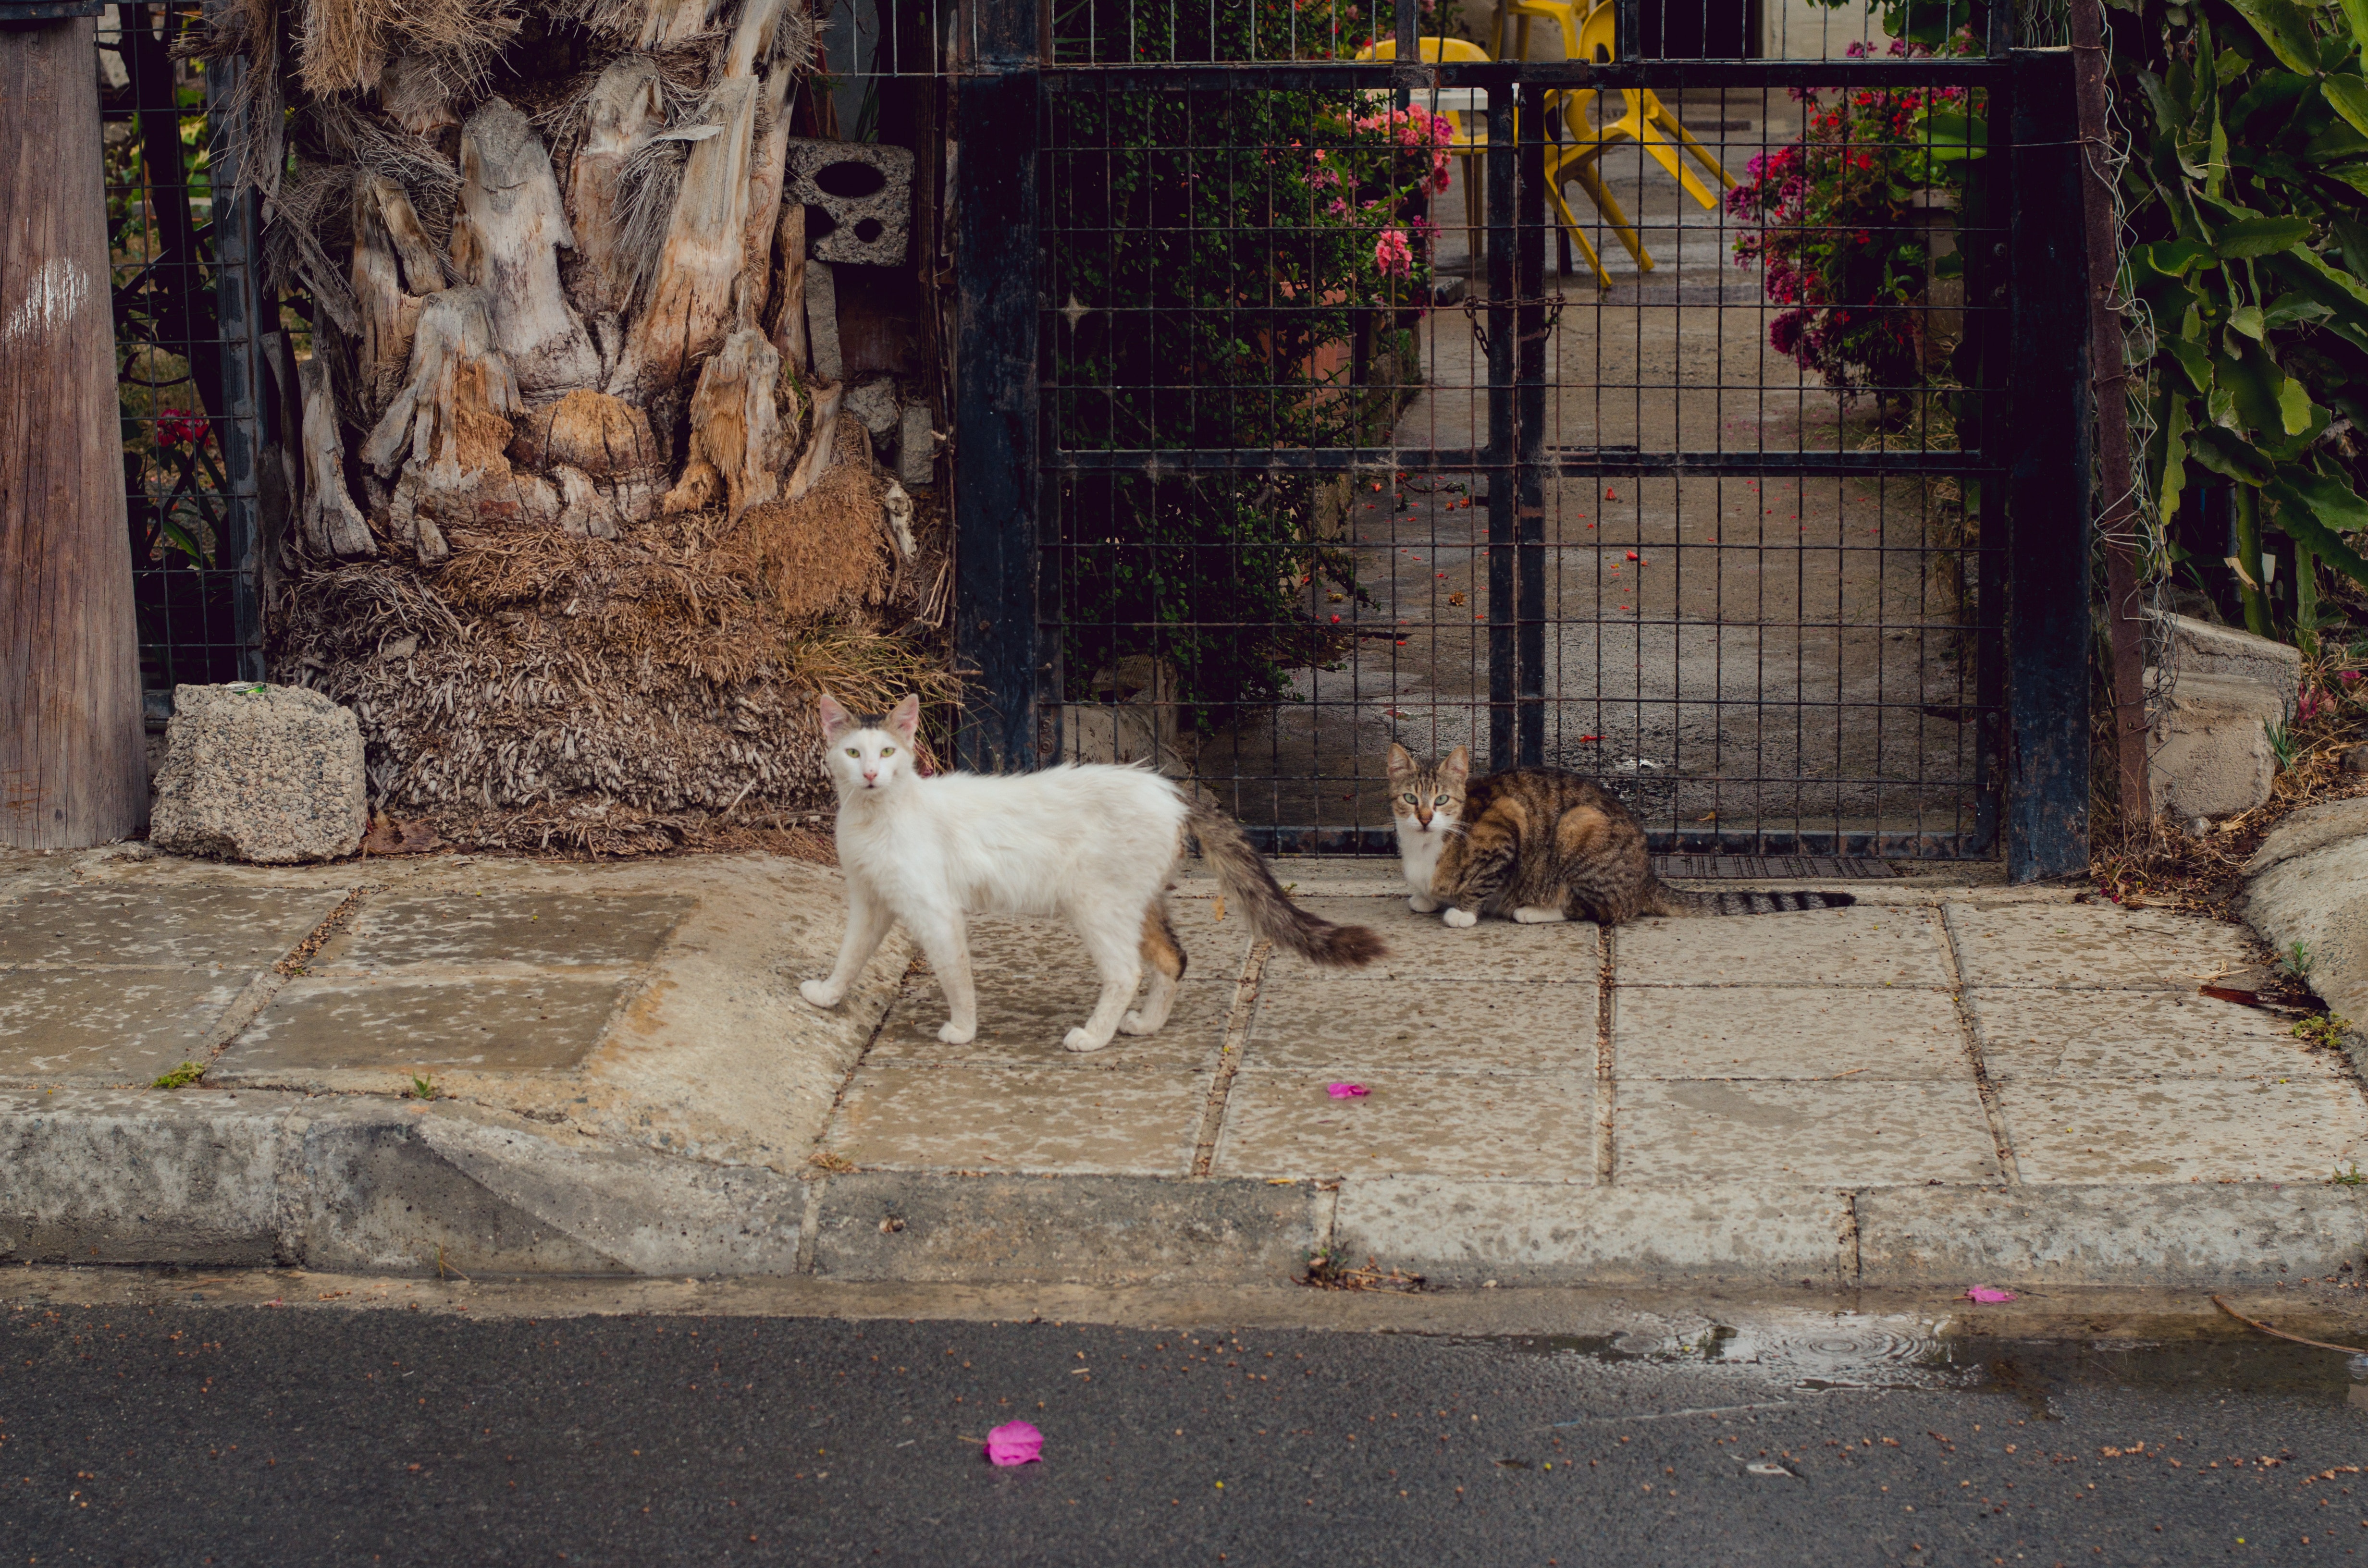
{"points": [[858, 196]]}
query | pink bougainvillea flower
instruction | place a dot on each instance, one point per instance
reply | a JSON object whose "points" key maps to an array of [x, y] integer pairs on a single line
{"points": [[1015, 1442], [1986, 1293], [1347, 1091], [1392, 254]]}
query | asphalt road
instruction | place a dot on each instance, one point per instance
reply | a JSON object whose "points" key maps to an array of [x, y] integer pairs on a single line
{"points": [[243, 1434]]}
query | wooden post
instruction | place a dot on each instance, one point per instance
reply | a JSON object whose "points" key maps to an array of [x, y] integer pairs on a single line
{"points": [[2124, 617], [72, 757]]}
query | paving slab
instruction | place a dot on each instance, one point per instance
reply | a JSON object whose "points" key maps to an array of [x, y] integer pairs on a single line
{"points": [[323, 1023], [114, 1026], [2301, 1129], [1424, 947], [1212, 948], [2091, 946], [504, 927], [194, 923], [1022, 1020], [1307, 1025], [1800, 1032], [1456, 1124], [1055, 1120], [1858, 946], [2085, 1035], [1797, 1133]]}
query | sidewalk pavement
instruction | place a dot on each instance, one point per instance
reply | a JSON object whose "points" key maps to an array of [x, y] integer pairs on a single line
{"points": [[1952, 1082]]}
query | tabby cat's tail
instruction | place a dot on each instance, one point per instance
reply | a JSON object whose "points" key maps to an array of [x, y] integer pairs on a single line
{"points": [[1242, 873], [1677, 901]]}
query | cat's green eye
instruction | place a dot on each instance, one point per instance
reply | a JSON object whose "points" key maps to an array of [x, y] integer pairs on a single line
{"points": [[1412, 801], [852, 752], [887, 751], [1439, 802]]}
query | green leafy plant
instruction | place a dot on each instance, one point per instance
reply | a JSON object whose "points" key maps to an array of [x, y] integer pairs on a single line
{"points": [[2323, 1030], [422, 1088], [181, 1077], [2352, 1178], [2297, 958]]}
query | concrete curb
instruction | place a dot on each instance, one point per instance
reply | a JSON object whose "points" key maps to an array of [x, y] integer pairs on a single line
{"points": [[209, 1179]]}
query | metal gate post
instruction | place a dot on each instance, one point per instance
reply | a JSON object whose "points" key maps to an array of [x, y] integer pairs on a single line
{"points": [[1504, 482], [238, 315], [1529, 398], [997, 111], [2047, 630]]}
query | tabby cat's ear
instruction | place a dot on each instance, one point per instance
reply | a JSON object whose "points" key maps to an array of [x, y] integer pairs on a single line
{"points": [[1401, 762], [1458, 765], [834, 719]]}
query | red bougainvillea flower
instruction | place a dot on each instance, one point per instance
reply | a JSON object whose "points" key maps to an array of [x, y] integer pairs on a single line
{"points": [[180, 427], [1393, 254]]}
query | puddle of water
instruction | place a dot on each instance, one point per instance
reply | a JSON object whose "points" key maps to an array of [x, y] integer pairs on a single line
{"points": [[1812, 1353]]}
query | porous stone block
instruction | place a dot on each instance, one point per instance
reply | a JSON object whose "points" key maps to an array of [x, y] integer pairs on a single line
{"points": [[873, 406], [271, 774], [822, 320], [864, 189], [916, 449], [2199, 648], [2211, 754]]}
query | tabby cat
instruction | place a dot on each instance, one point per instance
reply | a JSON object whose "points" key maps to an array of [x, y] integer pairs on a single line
{"points": [[1540, 844]]}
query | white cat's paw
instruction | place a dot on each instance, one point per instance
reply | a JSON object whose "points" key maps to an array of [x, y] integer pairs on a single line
{"points": [[818, 992], [1130, 1024], [1079, 1039], [1461, 918], [1422, 903], [957, 1034], [1538, 916]]}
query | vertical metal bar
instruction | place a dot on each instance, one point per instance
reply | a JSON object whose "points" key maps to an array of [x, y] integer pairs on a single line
{"points": [[2047, 486], [998, 110], [1408, 19], [1529, 400], [238, 309], [1502, 484], [1628, 29]]}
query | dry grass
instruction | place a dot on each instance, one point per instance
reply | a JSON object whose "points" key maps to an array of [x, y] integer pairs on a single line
{"points": [[548, 694], [2156, 863]]}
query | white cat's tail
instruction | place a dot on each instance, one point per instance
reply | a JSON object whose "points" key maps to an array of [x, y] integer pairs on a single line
{"points": [[1242, 873]]}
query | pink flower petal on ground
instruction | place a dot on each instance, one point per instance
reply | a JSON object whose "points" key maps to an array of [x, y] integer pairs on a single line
{"points": [[1346, 1091], [1015, 1442], [1985, 1293]]}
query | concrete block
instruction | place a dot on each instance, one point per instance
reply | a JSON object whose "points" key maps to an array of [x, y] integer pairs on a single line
{"points": [[821, 322], [141, 1177], [1464, 1232], [863, 188], [2210, 752], [916, 447], [271, 774], [2320, 900], [2199, 648], [2124, 1233], [383, 1185], [1083, 1230], [873, 406]]}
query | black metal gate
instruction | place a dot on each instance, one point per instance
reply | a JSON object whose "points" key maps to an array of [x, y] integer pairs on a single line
{"points": [[1709, 426]]}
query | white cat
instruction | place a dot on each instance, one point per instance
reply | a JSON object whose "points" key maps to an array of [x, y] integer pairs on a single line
{"points": [[1092, 844]]}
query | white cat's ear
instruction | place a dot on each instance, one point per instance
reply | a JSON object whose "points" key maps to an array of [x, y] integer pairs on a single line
{"points": [[1458, 764], [834, 719], [1401, 762], [906, 717]]}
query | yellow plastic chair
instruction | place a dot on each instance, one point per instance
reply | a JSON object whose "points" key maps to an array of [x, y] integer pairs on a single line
{"points": [[1471, 143], [1568, 19], [1646, 120]]}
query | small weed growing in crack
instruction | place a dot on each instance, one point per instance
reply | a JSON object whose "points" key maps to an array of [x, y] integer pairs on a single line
{"points": [[2324, 1032], [422, 1088], [2298, 958], [830, 1160], [2350, 1178], [180, 1077]]}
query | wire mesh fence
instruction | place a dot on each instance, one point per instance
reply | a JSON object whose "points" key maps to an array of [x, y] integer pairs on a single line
{"points": [[1636, 422], [189, 440]]}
